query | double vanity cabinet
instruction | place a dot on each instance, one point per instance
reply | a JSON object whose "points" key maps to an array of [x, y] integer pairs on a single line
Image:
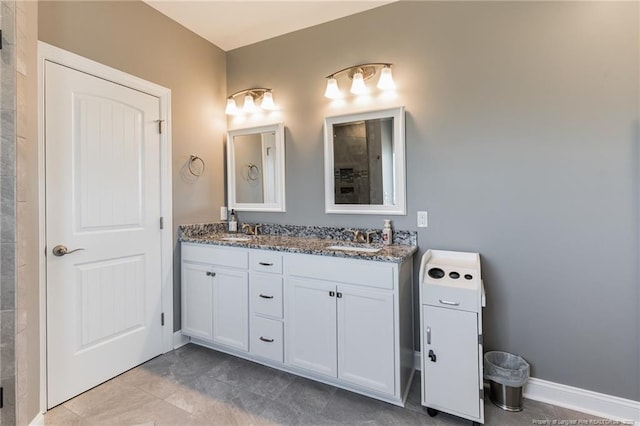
{"points": [[339, 320]]}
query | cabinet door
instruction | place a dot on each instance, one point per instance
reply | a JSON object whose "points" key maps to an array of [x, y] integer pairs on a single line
{"points": [[197, 301], [311, 325], [366, 338], [231, 308], [452, 381]]}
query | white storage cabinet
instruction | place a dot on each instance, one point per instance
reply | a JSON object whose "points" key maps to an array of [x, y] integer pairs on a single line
{"points": [[451, 334], [215, 295], [346, 322], [350, 320], [266, 305]]}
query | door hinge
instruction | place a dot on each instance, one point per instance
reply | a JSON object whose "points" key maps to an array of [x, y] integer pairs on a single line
{"points": [[162, 223], [480, 339], [162, 319], [160, 126]]}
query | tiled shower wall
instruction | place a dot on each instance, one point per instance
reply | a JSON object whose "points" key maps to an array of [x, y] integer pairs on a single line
{"points": [[8, 113]]}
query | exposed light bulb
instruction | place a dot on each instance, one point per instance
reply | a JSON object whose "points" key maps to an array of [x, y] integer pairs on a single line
{"points": [[267, 101], [357, 86], [332, 92], [386, 79], [249, 105], [231, 109]]}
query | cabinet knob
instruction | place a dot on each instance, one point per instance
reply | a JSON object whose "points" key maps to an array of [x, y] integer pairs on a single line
{"points": [[211, 274], [339, 295], [332, 293]]}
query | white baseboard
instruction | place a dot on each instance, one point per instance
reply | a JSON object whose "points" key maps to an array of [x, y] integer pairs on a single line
{"points": [[37, 420], [586, 401], [179, 339]]}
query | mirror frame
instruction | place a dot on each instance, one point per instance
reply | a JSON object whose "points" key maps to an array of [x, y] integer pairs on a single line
{"points": [[399, 170], [279, 204]]}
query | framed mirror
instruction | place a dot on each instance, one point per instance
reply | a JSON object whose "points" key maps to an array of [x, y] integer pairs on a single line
{"points": [[364, 163], [255, 169]]}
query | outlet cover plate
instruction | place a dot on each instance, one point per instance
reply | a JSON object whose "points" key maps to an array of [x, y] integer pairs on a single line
{"points": [[423, 220]]}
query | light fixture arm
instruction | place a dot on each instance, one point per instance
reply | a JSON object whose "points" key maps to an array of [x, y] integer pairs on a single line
{"points": [[360, 66], [255, 92], [251, 96]]}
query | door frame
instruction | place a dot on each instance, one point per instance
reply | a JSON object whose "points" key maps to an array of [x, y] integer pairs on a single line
{"points": [[47, 52]]}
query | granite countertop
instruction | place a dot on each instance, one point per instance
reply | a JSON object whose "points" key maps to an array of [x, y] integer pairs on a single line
{"points": [[307, 240]]}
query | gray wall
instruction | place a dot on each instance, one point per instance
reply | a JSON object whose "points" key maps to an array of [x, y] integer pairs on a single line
{"points": [[522, 144]]}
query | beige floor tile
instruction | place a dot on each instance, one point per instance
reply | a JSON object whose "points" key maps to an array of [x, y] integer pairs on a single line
{"points": [[110, 399], [150, 382], [61, 415], [155, 412]]}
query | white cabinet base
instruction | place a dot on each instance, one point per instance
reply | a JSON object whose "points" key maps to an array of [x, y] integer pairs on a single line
{"points": [[400, 401], [343, 322]]}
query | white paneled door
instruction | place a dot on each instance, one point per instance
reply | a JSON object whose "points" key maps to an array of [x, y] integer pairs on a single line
{"points": [[103, 192]]}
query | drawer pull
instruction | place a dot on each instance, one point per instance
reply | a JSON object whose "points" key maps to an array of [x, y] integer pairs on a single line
{"points": [[266, 297], [264, 339], [446, 302], [266, 264]]}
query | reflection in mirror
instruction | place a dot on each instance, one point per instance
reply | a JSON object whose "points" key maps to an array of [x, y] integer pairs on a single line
{"points": [[256, 168], [364, 163]]}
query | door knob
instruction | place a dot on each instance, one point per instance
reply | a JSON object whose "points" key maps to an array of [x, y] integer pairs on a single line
{"points": [[432, 355], [61, 250]]}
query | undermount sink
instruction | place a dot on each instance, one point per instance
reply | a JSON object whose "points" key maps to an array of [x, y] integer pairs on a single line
{"points": [[231, 238], [355, 249]]}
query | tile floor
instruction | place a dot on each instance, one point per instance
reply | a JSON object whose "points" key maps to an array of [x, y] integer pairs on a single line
{"points": [[197, 386]]}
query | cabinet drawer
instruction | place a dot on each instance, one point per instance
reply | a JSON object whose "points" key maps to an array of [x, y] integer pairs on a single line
{"points": [[451, 297], [267, 338], [348, 271], [266, 294], [214, 255], [266, 261]]}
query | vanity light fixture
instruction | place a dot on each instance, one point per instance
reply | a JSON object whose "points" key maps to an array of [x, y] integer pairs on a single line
{"points": [[251, 97], [358, 75]]}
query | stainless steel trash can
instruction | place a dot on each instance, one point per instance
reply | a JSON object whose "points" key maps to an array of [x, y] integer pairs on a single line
{"points": [[508, 398], [507, 374]]}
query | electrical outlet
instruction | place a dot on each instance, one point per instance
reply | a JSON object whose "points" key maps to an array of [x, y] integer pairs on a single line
{"points": [[423, 220], [223, 213]]}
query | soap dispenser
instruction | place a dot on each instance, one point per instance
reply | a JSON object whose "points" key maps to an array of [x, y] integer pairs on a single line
{"points": [[233, 221], [387, 232]]}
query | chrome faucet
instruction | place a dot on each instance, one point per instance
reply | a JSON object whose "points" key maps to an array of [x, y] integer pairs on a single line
{"points": [[248, 229], [358, 237]]}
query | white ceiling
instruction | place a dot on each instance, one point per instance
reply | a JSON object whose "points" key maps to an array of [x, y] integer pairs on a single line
{"points": [[235, 23]]}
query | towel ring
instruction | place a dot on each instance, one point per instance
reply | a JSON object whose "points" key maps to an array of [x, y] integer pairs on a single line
{"points": [[253, 172], [194, 170]]}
